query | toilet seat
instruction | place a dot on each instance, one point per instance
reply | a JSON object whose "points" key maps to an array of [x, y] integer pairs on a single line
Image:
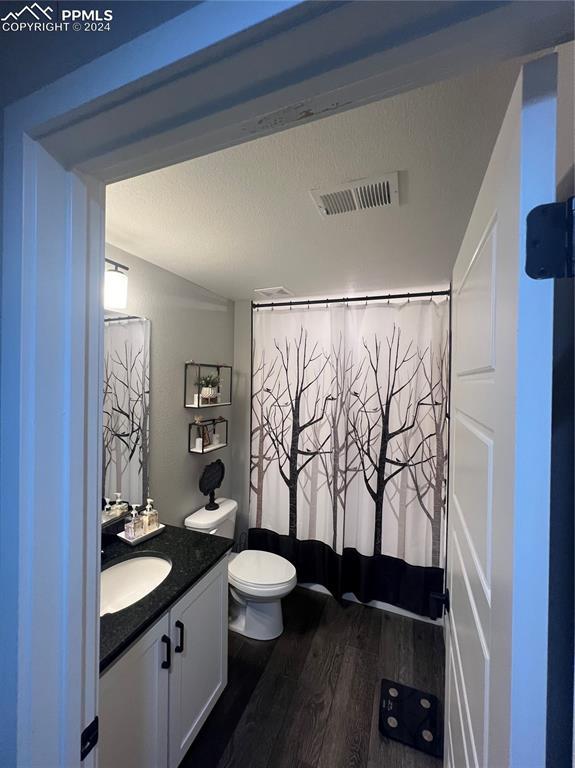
{"points": [[261, 574]]}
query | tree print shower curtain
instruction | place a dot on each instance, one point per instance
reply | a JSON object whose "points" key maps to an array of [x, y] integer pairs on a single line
{"points": [[126, 409], [349, 454]]}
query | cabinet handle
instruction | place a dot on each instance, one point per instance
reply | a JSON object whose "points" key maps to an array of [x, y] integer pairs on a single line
{"points": [[180, 646], [168, 662]]}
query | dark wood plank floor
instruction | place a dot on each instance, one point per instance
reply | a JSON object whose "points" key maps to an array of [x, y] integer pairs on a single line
{"points": [[310, 698]]}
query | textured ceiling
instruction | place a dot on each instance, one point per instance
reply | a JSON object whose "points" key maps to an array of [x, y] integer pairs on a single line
{"points": [[242, 218]]}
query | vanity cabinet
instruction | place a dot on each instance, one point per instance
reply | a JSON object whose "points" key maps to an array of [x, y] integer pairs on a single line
{"points": [[155, 698], [134, 705], [199, 626]]}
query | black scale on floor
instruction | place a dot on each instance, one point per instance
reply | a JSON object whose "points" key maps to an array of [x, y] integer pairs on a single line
{"points": [[412, 717]]}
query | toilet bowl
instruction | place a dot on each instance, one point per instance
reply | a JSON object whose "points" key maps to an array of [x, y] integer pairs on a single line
{"points": [[257, 580]]}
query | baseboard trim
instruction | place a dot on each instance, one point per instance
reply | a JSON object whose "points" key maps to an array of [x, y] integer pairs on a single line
{"points": [[374, 604]]}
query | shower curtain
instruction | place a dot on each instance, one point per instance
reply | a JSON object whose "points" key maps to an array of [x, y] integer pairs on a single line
{"points": [[126, 409], [349, 457]]}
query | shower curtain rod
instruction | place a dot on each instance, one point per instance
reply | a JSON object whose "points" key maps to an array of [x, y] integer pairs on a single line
{"points": [[120, 319], [388, 296]]}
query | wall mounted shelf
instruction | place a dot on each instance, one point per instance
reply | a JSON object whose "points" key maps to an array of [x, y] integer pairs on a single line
{"points": [[207, 385], [207, 435]]}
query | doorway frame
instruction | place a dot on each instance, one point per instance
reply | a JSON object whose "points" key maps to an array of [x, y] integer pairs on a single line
{"points": [[56, 168]]}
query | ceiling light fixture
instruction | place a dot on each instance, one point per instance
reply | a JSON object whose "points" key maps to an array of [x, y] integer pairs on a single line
{"points": [[116, 286]]}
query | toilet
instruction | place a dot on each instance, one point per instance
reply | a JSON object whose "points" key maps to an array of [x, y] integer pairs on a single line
{"points": [[257, 580]]}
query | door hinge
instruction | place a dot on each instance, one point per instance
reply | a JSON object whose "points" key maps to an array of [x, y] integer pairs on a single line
{"points": [[438, 601], [89, 738], [550, 250]]}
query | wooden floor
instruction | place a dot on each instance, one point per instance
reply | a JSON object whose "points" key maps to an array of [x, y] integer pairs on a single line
{"points": [[309, 699]]}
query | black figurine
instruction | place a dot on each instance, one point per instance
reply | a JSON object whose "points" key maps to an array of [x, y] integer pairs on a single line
{"points": [[211, 479]]}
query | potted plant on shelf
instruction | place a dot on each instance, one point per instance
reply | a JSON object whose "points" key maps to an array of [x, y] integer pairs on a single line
{"points": [[209, 387]]}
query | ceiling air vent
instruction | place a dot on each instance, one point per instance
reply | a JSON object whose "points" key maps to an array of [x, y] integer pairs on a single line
{"points": [[279, 292], [360, 195]]}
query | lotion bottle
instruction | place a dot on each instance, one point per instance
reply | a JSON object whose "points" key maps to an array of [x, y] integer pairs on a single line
{"points": [[129, 528], [152, 515], [120, 507], [145, 521], [138, 522]]}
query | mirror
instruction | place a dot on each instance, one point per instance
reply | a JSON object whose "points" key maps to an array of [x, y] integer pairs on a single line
{"points": [[126, 423]]}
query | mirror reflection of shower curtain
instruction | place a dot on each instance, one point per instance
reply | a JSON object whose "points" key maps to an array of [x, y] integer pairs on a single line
{"points": [[126, 409], [349, 445]]}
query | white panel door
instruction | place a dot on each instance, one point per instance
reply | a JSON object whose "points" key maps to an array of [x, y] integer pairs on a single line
{"points": [[500, 448], [134, 705], [199, 630]]}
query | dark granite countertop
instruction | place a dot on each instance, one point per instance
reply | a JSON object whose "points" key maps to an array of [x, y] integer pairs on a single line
{"points": [[192, 554]]}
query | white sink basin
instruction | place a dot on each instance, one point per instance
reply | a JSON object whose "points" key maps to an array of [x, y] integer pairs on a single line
{"points": [[131, 580]]}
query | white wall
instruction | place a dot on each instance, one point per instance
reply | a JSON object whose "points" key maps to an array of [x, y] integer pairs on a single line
{"points": [[187, 322]]}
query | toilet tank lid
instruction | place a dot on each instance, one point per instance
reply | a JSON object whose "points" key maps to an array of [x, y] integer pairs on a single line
{"points": [[207, 519]]}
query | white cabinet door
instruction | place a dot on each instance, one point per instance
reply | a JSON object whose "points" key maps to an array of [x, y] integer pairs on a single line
{"points": [[134, 705], [498, 539], [199, 631]]}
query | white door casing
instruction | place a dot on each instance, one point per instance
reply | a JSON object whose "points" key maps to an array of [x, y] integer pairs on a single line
{"points": [[55, 437], [498, 539]]}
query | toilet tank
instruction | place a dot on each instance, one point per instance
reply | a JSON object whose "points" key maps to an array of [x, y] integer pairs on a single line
{"points": [[221, 521]]}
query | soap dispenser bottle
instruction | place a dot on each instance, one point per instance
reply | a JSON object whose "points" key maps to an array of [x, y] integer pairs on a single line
{"points": [[138, 521], [145, 520], [129, 530], [151, 515], [134, 528], [120, 507]]}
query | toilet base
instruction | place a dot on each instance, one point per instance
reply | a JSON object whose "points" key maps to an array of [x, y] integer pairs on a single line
{"points": [[257, 619]]}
